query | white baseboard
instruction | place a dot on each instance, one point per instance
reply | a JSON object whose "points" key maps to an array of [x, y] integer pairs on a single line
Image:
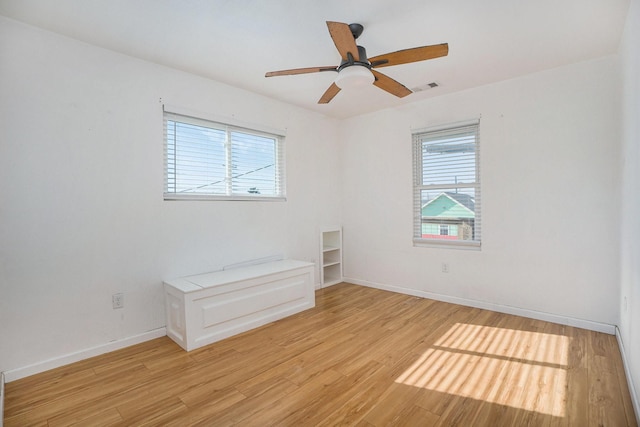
{"points": [[329, 284], [532, 314], [627, 373], [36, 368]]}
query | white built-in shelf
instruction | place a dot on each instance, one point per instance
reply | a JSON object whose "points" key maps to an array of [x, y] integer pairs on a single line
{"points": [[329, 264], [330, 256]]}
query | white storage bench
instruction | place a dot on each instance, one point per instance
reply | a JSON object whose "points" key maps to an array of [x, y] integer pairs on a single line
{"points": [[208, 307]]}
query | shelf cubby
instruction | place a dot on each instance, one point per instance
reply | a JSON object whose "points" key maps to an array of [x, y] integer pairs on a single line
{"points": [[330, 257]]}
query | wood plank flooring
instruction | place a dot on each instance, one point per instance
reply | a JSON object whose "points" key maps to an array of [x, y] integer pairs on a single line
{"points": [[361, 357]]}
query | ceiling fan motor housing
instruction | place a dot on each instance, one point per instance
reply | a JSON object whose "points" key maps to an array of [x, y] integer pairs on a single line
{"points": [[362, 54]]}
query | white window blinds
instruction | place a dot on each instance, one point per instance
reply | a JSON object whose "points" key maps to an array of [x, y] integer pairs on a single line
{"points": [[447, 186], [210, 160]]}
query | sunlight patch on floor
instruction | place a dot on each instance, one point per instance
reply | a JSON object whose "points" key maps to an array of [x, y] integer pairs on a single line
{"points": [[521, 369]]}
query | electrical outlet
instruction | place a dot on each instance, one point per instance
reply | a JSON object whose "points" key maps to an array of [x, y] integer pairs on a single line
{"points": [[117, 300], [445, 267]]}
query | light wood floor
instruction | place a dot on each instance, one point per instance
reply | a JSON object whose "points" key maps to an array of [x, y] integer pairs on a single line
{"points": [[362, 357]]}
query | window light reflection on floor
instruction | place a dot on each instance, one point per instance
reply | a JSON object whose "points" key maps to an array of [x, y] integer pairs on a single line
{"points": [[516, 368]]}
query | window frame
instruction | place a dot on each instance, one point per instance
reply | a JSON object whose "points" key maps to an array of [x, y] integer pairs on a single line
{"points": [[229, 127], [419, 187]]}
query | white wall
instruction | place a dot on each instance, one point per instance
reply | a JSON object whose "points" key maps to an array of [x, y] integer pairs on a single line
{"points": [[549, 176], [630, 223], [82, 215], [81, 181]]}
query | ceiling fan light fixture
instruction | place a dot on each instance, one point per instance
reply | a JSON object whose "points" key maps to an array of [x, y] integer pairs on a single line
{"points": [[354, 76]]}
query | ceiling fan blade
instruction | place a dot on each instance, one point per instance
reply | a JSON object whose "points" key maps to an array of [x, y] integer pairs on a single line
{"points": [[406, 56], [343, 39], [388, 84], [299, 71], [329, 94]]}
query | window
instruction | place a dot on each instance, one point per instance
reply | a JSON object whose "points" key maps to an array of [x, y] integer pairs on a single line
{"points": [[447, 186], [209, 160]]}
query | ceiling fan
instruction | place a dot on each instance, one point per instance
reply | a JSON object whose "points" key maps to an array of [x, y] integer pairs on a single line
{"points": [[356, 69]]}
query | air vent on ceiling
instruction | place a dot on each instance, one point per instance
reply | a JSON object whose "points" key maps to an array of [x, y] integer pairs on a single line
{"points": [[425, 87]]}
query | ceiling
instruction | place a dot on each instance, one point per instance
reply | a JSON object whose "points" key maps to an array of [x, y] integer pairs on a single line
{"points": [[237, 41]]}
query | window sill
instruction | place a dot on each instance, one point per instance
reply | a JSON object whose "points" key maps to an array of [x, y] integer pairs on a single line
{"points": [[192, 197], [448, 244]]}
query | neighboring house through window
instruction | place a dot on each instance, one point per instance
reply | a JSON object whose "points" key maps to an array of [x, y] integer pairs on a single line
{"points": [[447, 185]]}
